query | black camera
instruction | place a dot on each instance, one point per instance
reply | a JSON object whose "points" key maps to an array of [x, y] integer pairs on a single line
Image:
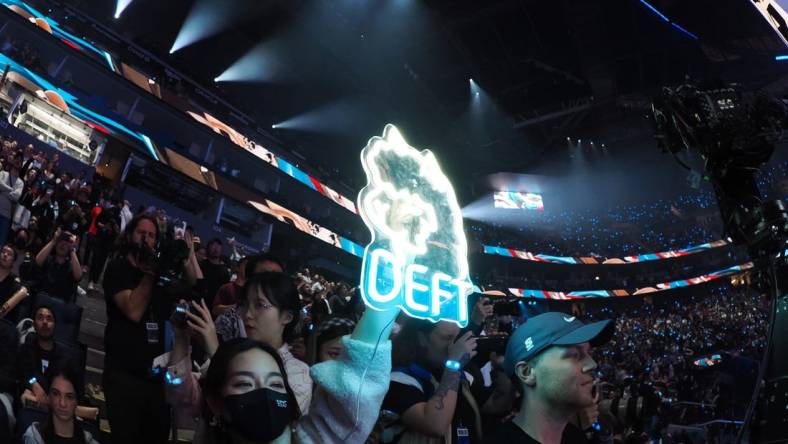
{"points": [[167, 262]]}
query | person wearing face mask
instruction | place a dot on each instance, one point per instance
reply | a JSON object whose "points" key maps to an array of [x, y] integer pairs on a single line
{"points": [[61, 426], [11, 187], [248, 400], [549, 357], [270, 310]]}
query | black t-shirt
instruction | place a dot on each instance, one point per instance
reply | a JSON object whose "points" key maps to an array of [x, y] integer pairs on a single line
{"points": [[214, 276], [57, 280], [510, 433], [34, 361], [131, 346], [402, 396]]}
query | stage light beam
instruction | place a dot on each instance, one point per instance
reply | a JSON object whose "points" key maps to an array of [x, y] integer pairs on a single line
{"points": [[260, 64], [120, 6], [207, 18]]}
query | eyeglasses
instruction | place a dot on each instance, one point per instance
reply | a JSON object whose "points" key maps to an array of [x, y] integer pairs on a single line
{"points": [[264, 306]]}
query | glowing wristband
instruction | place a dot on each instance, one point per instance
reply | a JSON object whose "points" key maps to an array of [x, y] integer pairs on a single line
{"points": [[453, 365], [171, 380]]}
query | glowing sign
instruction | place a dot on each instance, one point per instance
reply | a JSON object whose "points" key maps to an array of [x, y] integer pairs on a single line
{"points": [[518, 201], [417, 259]]}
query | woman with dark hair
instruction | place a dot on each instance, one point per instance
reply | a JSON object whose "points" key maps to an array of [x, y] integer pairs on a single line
{"points": [[246, 389], [429, 399], [327, 342], [246, 376], [62, 425], [270, 310]]}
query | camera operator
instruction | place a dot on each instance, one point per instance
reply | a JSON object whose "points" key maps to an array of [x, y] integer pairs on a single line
{"points": [[136, 311], [60, 272], [549, 358]]}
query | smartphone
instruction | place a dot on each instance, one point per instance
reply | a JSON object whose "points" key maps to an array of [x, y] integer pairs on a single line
{"points": [[488, 344]]}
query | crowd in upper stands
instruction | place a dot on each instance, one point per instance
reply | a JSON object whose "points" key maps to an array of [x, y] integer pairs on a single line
{"points": [[662, 225]]}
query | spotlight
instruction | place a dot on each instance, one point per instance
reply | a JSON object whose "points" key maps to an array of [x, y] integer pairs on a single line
{"points": [[568, 139], [578, 140], [120, 6], [470, 80], [273, 126], [477, 94], [215, 79]]}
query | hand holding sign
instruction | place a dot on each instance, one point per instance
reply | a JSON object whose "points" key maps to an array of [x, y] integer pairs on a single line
{"points": [[417, 257]]}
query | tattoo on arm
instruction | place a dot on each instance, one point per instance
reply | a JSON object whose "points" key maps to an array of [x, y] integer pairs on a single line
{"points": [[449, 382]]}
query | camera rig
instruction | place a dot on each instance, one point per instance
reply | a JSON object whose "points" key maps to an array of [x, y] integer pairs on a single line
{"points": [[736, 133]]}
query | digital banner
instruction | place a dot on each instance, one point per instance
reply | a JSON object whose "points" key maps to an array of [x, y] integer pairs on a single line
{"points": [[141, 80], [516, 200], [524, 255], [70, 104], [559, 295]]}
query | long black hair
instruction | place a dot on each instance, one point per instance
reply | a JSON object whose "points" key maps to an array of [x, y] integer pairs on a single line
{"points": [[217, 373], [66, 370], [280, 290]]}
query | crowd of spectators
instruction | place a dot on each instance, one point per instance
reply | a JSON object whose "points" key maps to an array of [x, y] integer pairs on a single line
{"points": [[661, 225], [219, 310]]}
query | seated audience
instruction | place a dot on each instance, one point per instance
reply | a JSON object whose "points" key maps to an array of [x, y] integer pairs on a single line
{"points": [[36, 355], [62, 425]]}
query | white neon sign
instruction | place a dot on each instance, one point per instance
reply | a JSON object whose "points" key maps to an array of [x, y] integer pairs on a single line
{"points": [[417, 259]]}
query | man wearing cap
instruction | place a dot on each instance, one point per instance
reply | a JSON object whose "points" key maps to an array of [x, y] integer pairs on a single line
{"points": [[549, 356]]}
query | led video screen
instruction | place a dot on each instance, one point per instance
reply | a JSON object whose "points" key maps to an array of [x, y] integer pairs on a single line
{"points": [[517, 200]]}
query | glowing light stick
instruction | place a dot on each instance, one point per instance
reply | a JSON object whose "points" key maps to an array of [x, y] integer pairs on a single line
{"points": [[417, 258]]}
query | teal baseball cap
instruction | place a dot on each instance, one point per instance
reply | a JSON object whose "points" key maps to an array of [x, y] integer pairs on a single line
{"points": [[552, 328]]}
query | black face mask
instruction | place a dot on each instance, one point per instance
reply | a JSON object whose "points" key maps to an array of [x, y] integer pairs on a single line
{"points": [[260, 415]]}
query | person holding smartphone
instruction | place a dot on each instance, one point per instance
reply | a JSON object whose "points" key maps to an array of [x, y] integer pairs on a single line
{"points": [[60, 267]]}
